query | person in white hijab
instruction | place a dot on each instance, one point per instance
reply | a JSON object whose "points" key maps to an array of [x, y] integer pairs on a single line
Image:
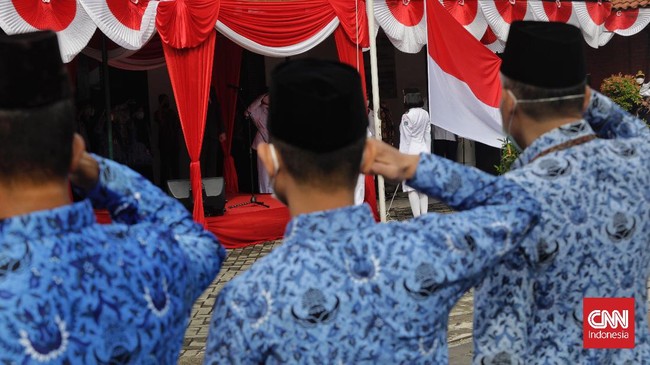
{"points": [[415, 138]]}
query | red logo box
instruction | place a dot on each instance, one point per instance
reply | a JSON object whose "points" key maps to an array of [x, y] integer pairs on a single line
{"points": [[608, 323]]}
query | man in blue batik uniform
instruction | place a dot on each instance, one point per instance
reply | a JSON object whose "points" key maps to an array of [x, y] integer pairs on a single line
{"points": [[73, 291], [592, 177], [343, 289]]}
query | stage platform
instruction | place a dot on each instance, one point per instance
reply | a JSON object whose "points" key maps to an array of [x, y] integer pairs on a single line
{"points": [[250, 224], [244, 225]]}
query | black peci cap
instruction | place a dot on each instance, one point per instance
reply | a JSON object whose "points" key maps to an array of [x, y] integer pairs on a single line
{"points": [[317, 105], [31, 71], [544, 54]]}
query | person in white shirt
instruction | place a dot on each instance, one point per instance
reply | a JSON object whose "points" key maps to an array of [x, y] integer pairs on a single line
{"points": [[415, 138]]}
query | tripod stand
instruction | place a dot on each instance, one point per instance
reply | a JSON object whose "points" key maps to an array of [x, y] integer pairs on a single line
{"points": [[253, 200]]}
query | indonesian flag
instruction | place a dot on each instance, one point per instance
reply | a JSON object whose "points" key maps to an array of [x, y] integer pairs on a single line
{"points": [[464, 82]]}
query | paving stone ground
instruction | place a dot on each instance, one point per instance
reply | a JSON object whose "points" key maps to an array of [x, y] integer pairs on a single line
{"points": [[460, 319]]}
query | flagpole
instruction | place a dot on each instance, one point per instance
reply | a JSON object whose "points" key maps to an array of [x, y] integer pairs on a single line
{"points": [[374, 78]]}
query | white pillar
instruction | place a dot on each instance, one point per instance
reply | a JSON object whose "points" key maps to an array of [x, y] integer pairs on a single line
{"points": [[374, 78]]}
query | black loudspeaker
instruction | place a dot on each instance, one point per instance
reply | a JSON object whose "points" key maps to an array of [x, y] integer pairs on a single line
{"points": [[214, 195]]}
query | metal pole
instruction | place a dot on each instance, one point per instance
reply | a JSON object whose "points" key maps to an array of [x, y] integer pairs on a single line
{"points": [[374, 77], [107, 96]]}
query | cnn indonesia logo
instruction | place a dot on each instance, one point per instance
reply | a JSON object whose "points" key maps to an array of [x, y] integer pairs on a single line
{"points": [[608, 323]]}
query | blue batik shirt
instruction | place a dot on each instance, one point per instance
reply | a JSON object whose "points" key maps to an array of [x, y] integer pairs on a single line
{"points": [[593, 241], [76, 292], [343, 289]]}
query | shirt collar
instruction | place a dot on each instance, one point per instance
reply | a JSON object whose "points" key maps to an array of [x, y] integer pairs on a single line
{"points": [[553, 138], [44, 223], [327, 221]]}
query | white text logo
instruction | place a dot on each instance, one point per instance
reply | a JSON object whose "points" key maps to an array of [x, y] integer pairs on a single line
{"points": [[603, 319]]}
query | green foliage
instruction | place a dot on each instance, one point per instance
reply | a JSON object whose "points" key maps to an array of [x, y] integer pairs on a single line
{"points": [[623, 90], [508, 156]]}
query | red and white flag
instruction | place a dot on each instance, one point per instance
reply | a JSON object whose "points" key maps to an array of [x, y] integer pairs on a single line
{"points": [[464, 82]]}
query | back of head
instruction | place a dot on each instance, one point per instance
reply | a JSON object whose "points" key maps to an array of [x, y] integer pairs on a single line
{"points": [[545, 60], [36, 109], [318, 121]]}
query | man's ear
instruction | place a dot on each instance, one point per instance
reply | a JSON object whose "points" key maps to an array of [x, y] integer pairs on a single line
{"points": [[587, 101], [368, 158], [264, 153], [78, 149]]}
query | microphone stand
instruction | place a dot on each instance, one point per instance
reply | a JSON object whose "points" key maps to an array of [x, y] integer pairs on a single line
{"points": [[253, 200]]}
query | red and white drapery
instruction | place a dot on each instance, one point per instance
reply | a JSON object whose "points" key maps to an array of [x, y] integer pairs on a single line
{"points": [[489, 20], [403, 22], [186, 30], [286, 28], [67, 18], [185, 38]]}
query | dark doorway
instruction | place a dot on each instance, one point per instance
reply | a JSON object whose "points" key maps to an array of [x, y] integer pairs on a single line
{"points": [[252, 83]]}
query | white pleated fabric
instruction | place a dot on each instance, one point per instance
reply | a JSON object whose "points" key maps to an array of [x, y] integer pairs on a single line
{"points": [[72, 39], [408, 39], [134, 26], [463, 12], [642, 20], [593, 26], [118, 32], [556, 11], [290, 50], [500, 25]]}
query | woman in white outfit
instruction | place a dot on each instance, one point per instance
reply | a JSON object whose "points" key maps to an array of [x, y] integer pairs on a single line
{"points": [[415, 138]]}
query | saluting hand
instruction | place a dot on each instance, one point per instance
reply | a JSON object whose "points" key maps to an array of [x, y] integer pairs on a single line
{"points": [[86, 175], [389, 162]]}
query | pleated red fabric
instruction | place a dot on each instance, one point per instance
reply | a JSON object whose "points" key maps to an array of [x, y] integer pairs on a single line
{"points": [[186, 23], [190, 71], [276, 24]]}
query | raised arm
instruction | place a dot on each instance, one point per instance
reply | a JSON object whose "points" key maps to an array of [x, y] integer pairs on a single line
{"points": [[609, 120], [496, 214], [131, 199], [460, 187]]}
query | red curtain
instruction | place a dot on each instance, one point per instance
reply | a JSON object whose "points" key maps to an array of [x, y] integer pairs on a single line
{"points": [[227, 60], [276, 24], [190, 71], [354, 21], [186, 28], [186, 23]]}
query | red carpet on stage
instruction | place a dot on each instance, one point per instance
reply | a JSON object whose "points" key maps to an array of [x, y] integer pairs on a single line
{"points": [[242, 226], [250, 224]]}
